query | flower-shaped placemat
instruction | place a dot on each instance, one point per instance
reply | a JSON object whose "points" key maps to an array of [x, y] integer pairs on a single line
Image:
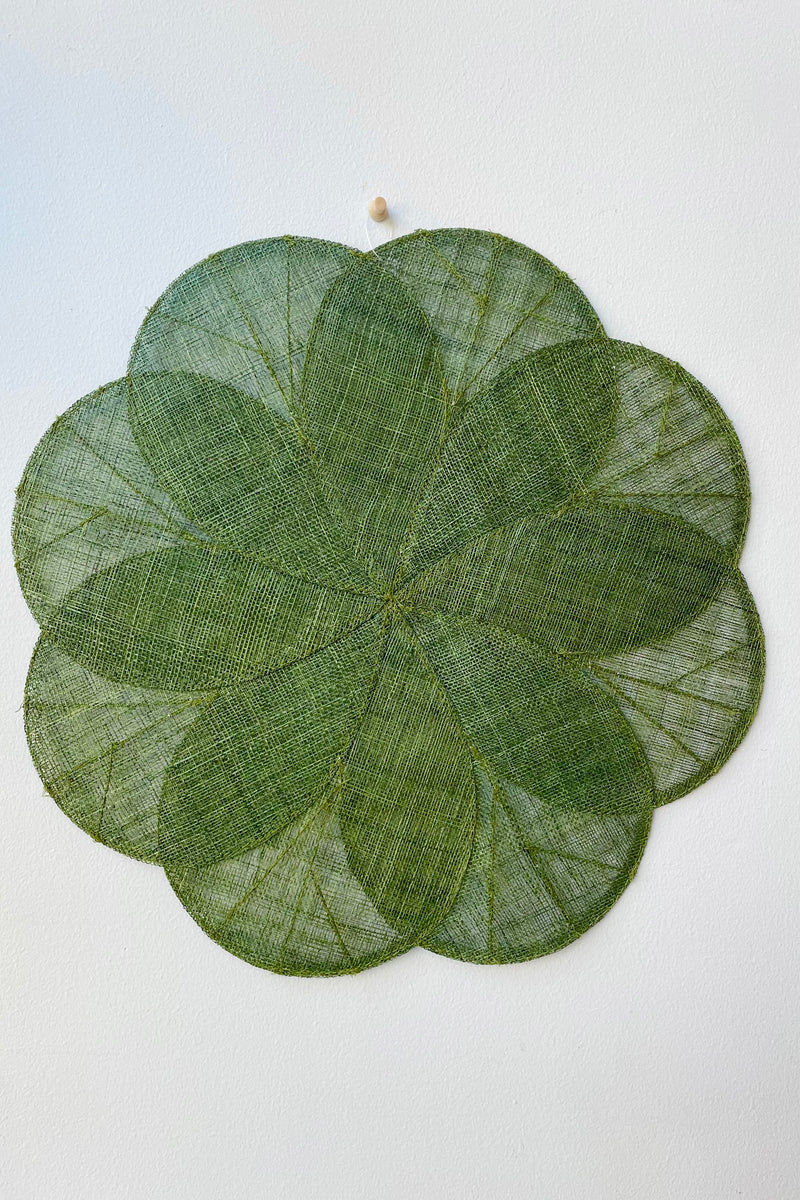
{"points": [[383, 599]]}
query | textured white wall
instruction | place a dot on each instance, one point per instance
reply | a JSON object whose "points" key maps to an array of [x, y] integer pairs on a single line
{"points": [[651, 150]]}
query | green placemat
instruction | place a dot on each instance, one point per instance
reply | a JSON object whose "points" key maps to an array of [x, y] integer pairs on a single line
{"points": [[383, 599]]}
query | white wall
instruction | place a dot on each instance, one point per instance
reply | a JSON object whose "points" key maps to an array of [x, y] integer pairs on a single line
{"points": [[651, 150]]}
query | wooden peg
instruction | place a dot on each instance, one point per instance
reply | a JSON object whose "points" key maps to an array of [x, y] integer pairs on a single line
{"points": [[377, 209]]}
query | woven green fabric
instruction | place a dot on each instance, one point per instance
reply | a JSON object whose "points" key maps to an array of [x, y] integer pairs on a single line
{"points": [[383, 600]]}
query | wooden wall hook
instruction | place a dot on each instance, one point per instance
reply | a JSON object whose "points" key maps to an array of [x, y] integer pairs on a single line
{"points": [[378, 209]]}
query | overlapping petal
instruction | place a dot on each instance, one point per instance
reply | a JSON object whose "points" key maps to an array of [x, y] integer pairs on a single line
{"points": [[242, 318], [102, 748], [690, 697], [539, 876], [292, 904], [215, 377], [192, 618], [590, 579], [673, 449], [263, 753], [88, 501], [489, 300], [241, 472], [408, 803], [565, 794], [524, 446], [374, 400], [532, 720]]}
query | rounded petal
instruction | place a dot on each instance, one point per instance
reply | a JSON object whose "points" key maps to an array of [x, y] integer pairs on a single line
{"points": [[592, 579], [192, 618], [374, 400], [564, 802], [242, 472], [408, 801], [264, 752], [88, 501], [690, 697], [673, 449], [533, 721], [490, 300], [242, 317], [291, 905], [215, 383], [540, 875], [524, 446], [102, 748]]}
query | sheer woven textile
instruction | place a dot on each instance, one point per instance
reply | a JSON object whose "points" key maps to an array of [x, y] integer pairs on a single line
{"points": [[383, 599]]}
